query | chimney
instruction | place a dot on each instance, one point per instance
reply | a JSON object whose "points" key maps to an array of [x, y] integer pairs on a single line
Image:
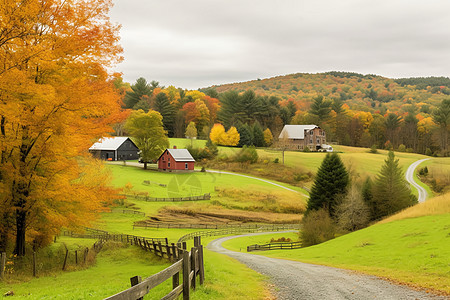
{"points": [[174, 147]]}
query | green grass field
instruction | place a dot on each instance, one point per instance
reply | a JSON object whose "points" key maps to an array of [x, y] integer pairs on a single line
{"points": [[359, 159], [111, 274], [413, 251]]}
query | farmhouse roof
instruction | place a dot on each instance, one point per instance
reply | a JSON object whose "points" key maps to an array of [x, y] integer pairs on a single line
{"points": [[109, 143], [180, 154], [296, 131]]}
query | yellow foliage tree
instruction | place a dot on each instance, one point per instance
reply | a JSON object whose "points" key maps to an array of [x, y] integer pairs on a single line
{"points": [[232, 136], [218, 134], [268, 137], [220, 137], [56, 98]]}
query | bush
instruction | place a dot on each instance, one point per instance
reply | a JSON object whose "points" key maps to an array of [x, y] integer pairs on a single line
{"points": [[317, 228], [401, 148], [373, 149], [428, 152], [306, 149], [276, 160], [281, 240], [247, 154]]}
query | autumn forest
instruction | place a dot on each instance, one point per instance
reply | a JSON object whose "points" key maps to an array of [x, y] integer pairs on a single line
{"points": [[408, 114]]}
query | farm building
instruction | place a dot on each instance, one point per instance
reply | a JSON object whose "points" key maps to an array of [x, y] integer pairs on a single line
{"points": [[115, 148], [298, 137], [176, 160]]}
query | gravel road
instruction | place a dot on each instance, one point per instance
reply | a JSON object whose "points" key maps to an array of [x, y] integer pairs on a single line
{"points": [[410, 178], [296, 280]]}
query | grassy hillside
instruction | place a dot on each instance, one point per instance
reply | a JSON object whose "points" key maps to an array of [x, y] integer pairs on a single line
{"points": [[411, 247]]}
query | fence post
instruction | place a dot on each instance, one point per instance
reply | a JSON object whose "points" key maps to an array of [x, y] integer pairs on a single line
{"points": [[160, 249], [194, 266], [86, 251], [201, 265], [65, 259], [76, 257], [34, 264], [2, 264], [186, 271], [136, 280]]}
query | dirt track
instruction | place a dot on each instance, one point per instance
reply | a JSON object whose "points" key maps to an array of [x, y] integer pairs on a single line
{"points": [[296, 280]]}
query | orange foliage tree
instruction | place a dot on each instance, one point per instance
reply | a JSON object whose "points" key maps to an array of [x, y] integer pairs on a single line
{"points": [[56, 98]]}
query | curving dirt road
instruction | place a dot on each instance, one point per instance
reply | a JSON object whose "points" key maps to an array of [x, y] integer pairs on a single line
{"points": [[296, 280], [410, 178]]}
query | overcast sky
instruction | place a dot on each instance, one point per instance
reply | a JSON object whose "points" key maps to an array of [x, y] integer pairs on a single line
{"points": [[198, 43]]}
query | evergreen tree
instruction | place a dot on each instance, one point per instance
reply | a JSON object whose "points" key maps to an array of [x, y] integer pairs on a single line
{"points": [[163, 106], [258, 135], [138, 90], [321, 108], [391, 192], [331, 181], [441, 116], [246, 134]]}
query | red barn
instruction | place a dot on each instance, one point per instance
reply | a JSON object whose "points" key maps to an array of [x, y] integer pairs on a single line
{"points": [[175, 160]]}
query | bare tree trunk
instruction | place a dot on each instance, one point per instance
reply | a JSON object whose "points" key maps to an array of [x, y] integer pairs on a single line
{"points": [[20, 232]]}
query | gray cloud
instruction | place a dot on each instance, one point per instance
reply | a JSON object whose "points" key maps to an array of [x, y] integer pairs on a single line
{"points": [[194, 44]]}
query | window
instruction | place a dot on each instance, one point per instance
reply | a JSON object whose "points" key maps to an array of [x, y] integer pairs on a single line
{"points": [[186, 166], [311, 132], [318, 141], [310, 141], [168, 165]]}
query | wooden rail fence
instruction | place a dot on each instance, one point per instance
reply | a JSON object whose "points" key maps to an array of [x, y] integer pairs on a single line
{"points": [[170, 199], [238, 230], [189, 266], [274, 246], [211, 226], [103, 235]]}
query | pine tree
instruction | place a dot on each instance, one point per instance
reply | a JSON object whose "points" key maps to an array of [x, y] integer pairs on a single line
{"points": [[163, 106], [138, 90], [246, 135], [391, 192], [331, 181], [258, 135]]}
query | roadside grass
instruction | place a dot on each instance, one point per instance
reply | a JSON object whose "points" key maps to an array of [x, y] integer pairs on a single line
{"points": [[226, 278], [412, 251], [439, 170], [111, 274], [438, 205]]}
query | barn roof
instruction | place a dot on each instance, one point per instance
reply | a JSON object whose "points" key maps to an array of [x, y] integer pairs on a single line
{"points": [[180, 154], [109, 143], [296, 131]]}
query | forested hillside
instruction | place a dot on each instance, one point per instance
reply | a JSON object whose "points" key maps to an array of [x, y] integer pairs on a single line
{"points": [[410, 114]]}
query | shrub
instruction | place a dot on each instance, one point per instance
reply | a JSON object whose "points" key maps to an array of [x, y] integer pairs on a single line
{"points": [[401, 148], [373, 149], [409, 150], [428, 152], [281, 240], [276, 160], [247, 154], [306, 149], [317, 228]]}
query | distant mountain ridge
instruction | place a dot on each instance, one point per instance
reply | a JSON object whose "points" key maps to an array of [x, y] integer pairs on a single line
{"points": [[372, 93]]}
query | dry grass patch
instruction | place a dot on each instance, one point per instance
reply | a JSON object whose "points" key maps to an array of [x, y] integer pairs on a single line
{"points": [[435, 206], [228, 216]]}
